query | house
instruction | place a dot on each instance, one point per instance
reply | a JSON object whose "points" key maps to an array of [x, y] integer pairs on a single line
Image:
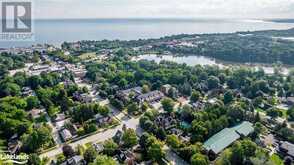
{"points": [[165, 89], [14, 144], [35, 113], [98, 147], [65, 134], [59, 117], [76, 160], [199, 105], [40, 67], [176, 131], [218, 142], [124, 95], [268, 140], [117, 137], [82, 97], [290, 101], [166, 121], [126, 157], [150, 97], [27, 91], [102, 119], [286, 149], [183, 101]]}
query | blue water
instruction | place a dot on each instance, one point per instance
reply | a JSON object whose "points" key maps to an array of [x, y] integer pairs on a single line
{"points": [[57, 31]]}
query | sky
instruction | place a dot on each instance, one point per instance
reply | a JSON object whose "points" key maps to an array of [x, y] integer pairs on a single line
{"points": [[256, 9]]}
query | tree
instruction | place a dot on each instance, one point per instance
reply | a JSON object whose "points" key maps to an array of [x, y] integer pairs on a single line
{"points": [[129, 138], [89, 128], [173, 93], [110, 147], [186, 89], [145, 89], [224, 158], [144, 106], [187, 151], [259, 128], [143, 140], [195, 96], [257, 117], [290, 113], [249, 148], [68, 151], [160, 133], [103, 110], [186, 113], [199, 131], [155, 150], [237, 153], [90, 154], [32, 102], [173, 141], [34, 159], [228, 97], [212, 82], [133, 107], [104, 160], [168, 104], [9, 89], [35, 58], [83, 112], [199, 159], [236, 113], [39, 138], [274, 113], [52, 111]]}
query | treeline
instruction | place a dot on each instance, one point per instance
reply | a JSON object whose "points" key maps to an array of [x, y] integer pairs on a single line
{"points": [[249, 47]]}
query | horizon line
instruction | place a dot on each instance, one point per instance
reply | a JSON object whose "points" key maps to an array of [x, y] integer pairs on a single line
{"points": [[161, 18]]}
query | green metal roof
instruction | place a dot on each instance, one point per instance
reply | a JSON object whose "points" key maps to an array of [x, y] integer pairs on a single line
{"points": [[227, 136], [221, 140], [244, 129]]}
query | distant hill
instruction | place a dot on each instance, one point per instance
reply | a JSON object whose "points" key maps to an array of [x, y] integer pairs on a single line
{"points": [[282, 20]]}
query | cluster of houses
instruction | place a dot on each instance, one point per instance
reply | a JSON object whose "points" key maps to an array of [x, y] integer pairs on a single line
{"points": [[65, 128], [39, 68], [140, 97], [283, 148], [79, 71], [27, 50]]}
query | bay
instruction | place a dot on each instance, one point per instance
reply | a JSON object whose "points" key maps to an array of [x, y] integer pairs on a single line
{"points": [[60, 30]]}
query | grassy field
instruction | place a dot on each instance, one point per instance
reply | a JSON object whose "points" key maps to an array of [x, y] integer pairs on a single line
{"points": [[87, 56], [277, 160], [260, 110]]}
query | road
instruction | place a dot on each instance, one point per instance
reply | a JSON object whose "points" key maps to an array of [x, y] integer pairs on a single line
{"points": [[99, 137], [107, 134]]}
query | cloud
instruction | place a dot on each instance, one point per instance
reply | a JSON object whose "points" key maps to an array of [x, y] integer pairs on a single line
{"points": [[164, 8]]}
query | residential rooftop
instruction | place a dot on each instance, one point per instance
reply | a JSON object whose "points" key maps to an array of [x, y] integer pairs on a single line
{"points": [[227, 136]]}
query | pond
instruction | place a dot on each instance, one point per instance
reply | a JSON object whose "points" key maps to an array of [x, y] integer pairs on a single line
{"points": [[202, 60]]}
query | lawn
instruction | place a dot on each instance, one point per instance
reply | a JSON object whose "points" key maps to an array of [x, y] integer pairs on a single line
{"points": [[284, 112], [260, 110], [87, 56], [277, 160]]}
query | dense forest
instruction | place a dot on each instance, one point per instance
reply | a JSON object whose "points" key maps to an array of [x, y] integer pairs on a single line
{"points": [[269, 46]]}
